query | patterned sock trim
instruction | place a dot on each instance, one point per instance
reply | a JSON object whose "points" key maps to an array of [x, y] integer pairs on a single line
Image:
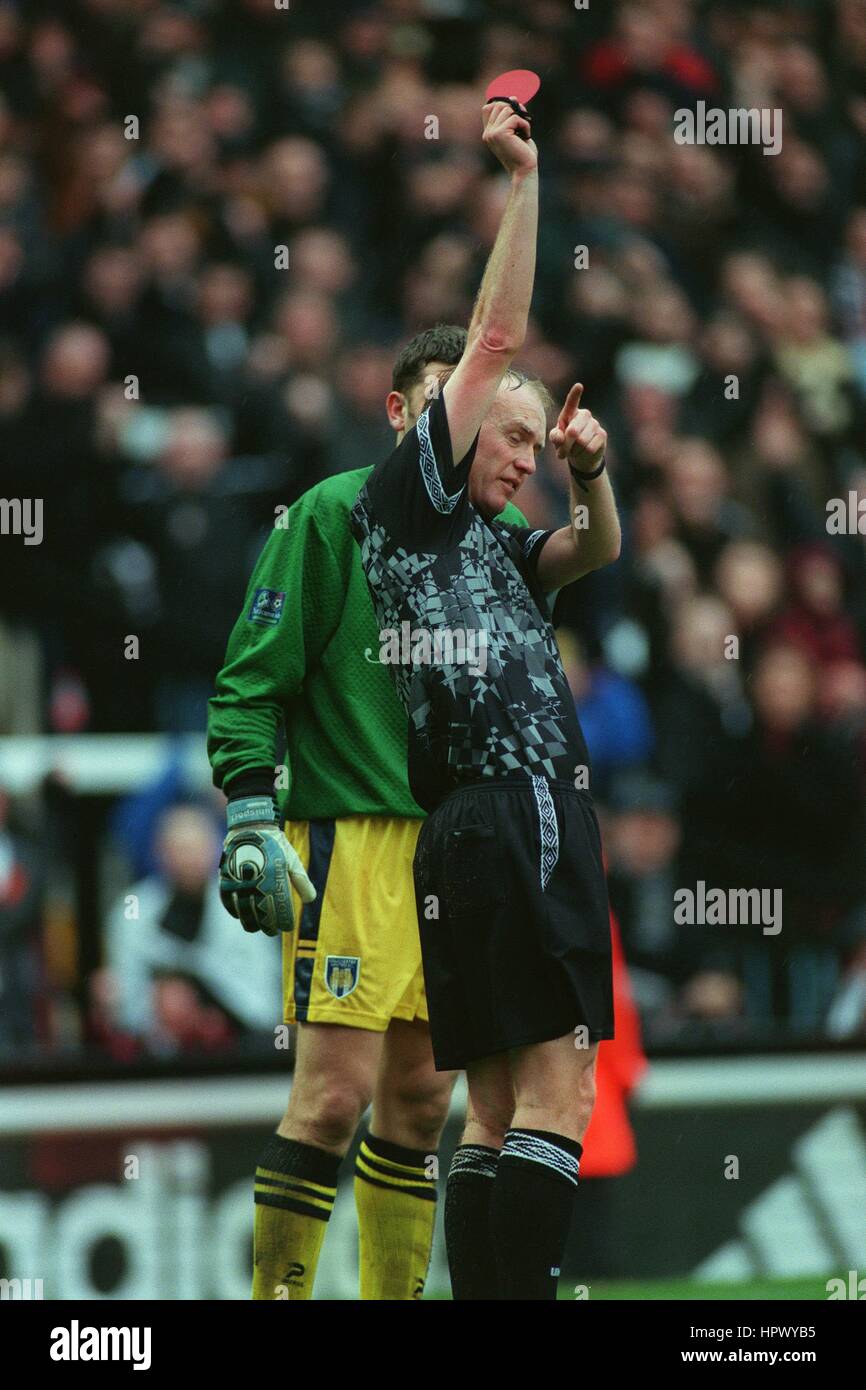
{"points": [[529, 1146], [476, 1159]]}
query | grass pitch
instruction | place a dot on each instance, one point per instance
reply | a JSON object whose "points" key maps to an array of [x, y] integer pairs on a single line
{"points": [[812, 1288]]}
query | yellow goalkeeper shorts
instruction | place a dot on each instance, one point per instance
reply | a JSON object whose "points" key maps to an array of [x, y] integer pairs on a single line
{"points": [[355, 955]]}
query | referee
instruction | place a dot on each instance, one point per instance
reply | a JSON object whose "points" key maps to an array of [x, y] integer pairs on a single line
{"points": [[303, 656], [509, 883]]}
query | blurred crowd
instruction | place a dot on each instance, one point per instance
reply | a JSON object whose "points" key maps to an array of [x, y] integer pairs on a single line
{"points": [[219, 221]]}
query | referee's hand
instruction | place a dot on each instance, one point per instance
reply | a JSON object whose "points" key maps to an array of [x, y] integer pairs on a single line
{"points": [[507, 135], [577, 436], [259, 868]]}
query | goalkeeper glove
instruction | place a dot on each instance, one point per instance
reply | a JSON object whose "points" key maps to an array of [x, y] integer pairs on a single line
{"points": [[258, 868]]}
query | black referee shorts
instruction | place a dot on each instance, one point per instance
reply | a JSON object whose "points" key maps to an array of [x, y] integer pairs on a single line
{"points": [[514, 919]]}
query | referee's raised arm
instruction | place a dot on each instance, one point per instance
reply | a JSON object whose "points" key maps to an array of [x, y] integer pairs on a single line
{"points": [[498, 325]]}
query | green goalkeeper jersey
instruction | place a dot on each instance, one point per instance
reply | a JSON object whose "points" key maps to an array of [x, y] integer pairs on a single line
{"points": [[305, 653]]}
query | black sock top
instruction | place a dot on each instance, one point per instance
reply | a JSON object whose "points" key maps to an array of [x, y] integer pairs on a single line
{"points": [[562, 1141], [299, 1160], [396, 1153]]}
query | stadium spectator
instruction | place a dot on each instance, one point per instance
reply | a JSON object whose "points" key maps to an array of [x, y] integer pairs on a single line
{"points": [[612, 711], [184, 976], [197, 307], [702, 697], [780, 807], [642, 837], [815, 619], [194, 515]]}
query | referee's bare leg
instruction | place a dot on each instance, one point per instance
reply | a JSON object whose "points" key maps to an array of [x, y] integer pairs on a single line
{"points": [[511, 1188]]}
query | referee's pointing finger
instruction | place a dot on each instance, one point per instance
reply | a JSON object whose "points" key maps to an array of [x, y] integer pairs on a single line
{"points": [[572, 401]]}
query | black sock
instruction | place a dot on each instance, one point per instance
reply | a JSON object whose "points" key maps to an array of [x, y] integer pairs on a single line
{"points": [[468, 1238], [530, 1212]]}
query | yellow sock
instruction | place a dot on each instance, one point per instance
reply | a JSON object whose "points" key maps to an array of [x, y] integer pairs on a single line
{"points": [[294, 1194], [396, 1203]]}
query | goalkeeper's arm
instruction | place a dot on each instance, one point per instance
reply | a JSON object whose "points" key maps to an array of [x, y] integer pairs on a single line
{"points": [[292, 607]]}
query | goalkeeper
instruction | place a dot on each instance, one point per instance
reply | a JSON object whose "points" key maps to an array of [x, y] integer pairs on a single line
{"points": [[304, 653]]}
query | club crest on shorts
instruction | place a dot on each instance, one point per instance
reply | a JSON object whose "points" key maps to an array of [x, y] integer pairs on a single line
{"points": [[341, 974]]}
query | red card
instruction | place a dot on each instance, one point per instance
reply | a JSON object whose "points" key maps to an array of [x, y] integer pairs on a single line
{"points": [[520, 83]]}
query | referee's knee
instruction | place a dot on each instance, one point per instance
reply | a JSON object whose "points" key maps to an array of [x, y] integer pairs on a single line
{"points": [[487, 1124], [571, 1120], [568, 1113]]}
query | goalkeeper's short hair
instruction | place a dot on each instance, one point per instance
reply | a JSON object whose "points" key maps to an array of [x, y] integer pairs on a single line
{"points": [[446, 343]]}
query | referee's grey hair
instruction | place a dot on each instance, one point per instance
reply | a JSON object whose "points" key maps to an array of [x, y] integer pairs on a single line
{"points": [[513, 379]]}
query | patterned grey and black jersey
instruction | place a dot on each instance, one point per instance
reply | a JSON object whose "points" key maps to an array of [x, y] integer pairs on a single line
{"points": [[464, 623]]}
